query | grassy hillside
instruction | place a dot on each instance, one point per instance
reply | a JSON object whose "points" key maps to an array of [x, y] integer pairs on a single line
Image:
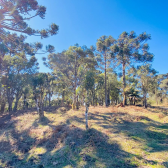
{"points": [[118, 137]]}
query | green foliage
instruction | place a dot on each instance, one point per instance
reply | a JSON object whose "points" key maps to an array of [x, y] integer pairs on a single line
{"points": [[89, 80], [79, 72], [129, 47], [70, 66], [39, 84], [145, 74], [16, 74], [128, 50], [19, 11]]}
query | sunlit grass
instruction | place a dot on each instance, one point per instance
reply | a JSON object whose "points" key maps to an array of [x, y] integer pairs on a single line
{"points": [[38, 150], [119, 137]]}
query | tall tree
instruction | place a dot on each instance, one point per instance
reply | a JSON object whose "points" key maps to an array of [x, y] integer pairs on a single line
{"points": [[103, 47], [163, 85], [88, 85], [130, 49], [145, 74], [39, 85], [113, 88], [50, 87], [12, 44], [16, 70], [71, 65], [14, 15]]}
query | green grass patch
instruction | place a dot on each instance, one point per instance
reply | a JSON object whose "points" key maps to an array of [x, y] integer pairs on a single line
{"points": [[117, 138]]}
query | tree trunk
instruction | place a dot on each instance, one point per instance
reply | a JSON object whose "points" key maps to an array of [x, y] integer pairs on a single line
{"points": [[39, 106], [75, 85], [74, 99], [2, 54], [74, 94], [10, 101], [3, 103], [145, 101], [86, 115], [124, 86], [93, 97], [49, 99], [86, 112], [156, 96], [10, 106], [45, 102], [96, 100], [83, 100], [63, 97], [130, 100], [41, 112], [15, 107], [1, 79], [134, 101], [16, 102], [108, 97], [24, 102], [106, 104]]}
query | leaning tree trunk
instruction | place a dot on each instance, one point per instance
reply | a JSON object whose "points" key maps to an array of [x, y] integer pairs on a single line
{"points": [[124, 86]]}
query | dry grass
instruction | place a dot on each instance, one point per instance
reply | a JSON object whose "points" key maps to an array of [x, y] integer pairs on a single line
{"points": [[128, 136]]}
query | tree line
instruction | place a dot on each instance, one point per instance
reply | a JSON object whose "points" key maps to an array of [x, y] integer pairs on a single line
{"points": [[109, 72]]}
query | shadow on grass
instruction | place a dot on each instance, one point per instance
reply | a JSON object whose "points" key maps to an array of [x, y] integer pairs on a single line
{"points": [[45, 121], [90, 149], [157, 109], [68, 145], [139, 128], [57, 109], [65, 146], [6, 117], [165, 164]]}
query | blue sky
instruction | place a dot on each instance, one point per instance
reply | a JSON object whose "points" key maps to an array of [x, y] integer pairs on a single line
{"points": [[84, 21]]}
